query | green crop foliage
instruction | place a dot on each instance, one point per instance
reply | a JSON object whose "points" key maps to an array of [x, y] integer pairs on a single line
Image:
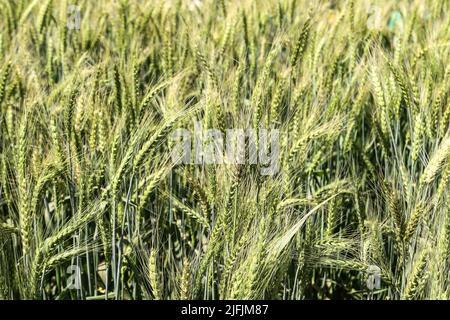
{"points": [[92, 205]]}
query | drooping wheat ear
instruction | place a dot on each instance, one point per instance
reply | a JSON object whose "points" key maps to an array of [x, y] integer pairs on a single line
{"points": [[114, 146], [149, 97], [4, 181], [57, 259], [93, 133], [245, 30], [436, 109], [49, 66], [2, 49], [419, 130], [78, 125], [414, 221], [276, 102], [102, 131], [211, 190], [317, 158], [117, 82], [258, 256], [136, 84], [49, 244], [43, 19], [10, 16], [445, 243], [205, 65], [95, 210], [149, 184], [280, 15], [369, 165], [214, 245], [395, 211], [121, 170], [380, 100], [332, 217], [225, 39], [445, 120], [297, 98], [354, 114], [62, 27], [328, 82], [236, 87], [161, 133], [229, 214], [417, 278], [36, 273], [258, 91], [414, 94], [443, 183], [438, 159], [120, 26], [24, 205], [189, 211], [237, 284], [228, 267], [105, 236], [168, 53], [399, 79], [3, 80], [69, 114], [200, 193], [300, 46], [49, 173], [185, 53], [375, 249], [185, 281], [56, 140], [153, 275]]}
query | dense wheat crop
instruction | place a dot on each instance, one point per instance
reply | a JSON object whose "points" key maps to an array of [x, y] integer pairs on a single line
{"points": [[354, 96]]}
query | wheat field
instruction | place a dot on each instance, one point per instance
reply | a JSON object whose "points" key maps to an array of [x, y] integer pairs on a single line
{"points": [[95, 205]]}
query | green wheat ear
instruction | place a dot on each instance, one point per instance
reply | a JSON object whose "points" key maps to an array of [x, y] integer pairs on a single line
{"points": [[153, 275], [3, 80], [185, 281]]}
